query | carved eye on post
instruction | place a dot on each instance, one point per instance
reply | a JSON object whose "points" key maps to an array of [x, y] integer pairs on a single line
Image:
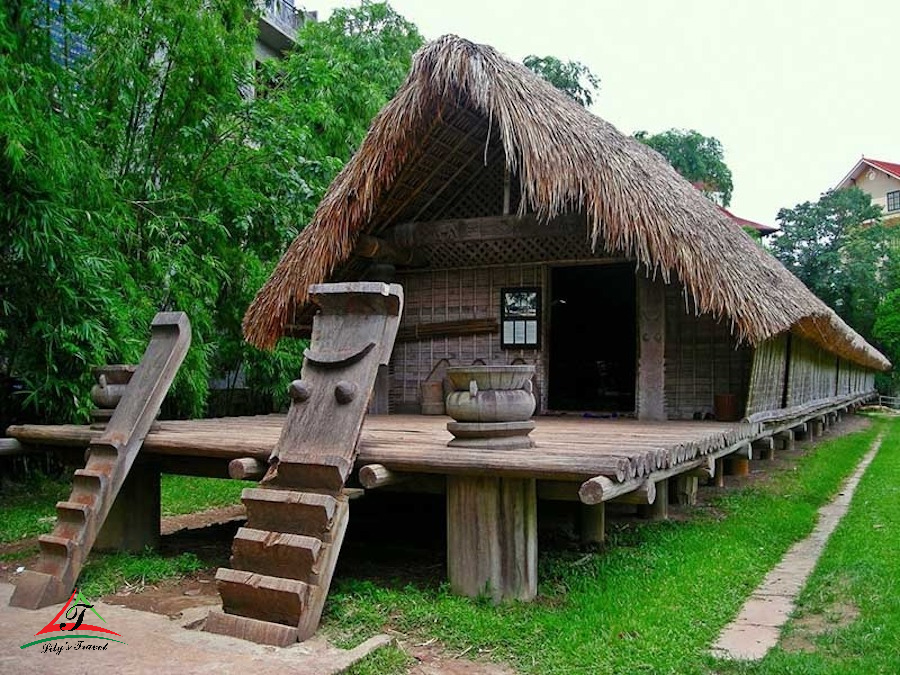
{"points": [[345, 391], [299, 391]]}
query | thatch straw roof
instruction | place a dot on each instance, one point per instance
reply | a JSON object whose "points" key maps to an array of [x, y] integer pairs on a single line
{"points": [[565, 160]]}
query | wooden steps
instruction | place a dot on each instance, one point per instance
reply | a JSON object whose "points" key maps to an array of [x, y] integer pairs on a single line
{"points": [[283, 560], [293, 556], [110, 457]]}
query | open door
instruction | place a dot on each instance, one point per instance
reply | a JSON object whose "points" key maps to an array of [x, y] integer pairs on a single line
{"points": [[593, 345]]}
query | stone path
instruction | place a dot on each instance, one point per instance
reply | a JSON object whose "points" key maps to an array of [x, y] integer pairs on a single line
{"points": [[758, 626]]}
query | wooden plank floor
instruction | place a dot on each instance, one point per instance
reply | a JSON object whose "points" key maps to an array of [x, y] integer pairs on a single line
{"points": [[571, 449]]}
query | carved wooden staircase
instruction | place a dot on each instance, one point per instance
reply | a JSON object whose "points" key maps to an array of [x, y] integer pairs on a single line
{"points": [[283, 559], [110, 457]]}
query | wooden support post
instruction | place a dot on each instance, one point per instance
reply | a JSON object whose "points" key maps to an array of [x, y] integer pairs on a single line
{"points": [[705, 472], [801, 431], [659, 509], [132, 523], [593, 524], [765, 447], [785, 439], [818, 427], [720, 473], [686, 490], [492, 537], [651, 383]]}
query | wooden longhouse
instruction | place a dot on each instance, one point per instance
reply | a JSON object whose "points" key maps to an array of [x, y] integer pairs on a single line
{"points": [[480, 185], [517, 228]]}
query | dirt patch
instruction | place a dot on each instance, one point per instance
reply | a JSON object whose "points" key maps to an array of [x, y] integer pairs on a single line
{"points": [[432, 659], [170, 597], [805, 629], [196, 521], [20, 555]]}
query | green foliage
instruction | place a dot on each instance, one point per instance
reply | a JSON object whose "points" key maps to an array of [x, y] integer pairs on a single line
{"points": [[700, 159], [887, 333], [839, 248], [138, 178], [572, 77]]}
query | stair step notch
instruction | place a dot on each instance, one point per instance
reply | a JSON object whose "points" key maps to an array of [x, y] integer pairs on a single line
{"points": [[278, 554], [305, 513], [262, 597], [244, 628]]}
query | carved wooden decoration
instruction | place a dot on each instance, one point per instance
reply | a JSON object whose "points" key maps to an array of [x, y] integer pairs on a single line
{"points": [[283, 559]]}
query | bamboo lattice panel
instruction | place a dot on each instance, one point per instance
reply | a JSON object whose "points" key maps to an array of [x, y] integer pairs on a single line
{"points": [[510, 251]]}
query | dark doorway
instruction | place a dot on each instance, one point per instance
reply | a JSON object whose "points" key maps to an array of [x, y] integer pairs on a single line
{"points": [[592, 338]]}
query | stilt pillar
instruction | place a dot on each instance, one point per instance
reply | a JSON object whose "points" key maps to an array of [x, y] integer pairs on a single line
{"points": [[133, 521], [593, 523], [659, 509], [492, 537], [785, 440], [686, 490]]}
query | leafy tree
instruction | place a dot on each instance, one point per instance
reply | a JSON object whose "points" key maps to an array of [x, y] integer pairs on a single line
{"points": [[838, 247], [887, 332], [698, 158], [572, 77], [139, 179]]}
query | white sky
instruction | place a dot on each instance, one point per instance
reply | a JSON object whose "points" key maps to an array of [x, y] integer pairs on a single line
{"points": [[795, 90]]}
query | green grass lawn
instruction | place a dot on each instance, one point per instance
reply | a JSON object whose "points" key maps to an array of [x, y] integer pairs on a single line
{"points": [[186, 494], [848, 620], [660, 595]]}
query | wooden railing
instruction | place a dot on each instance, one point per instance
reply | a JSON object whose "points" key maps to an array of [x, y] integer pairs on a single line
{"points": [[889, 402]]}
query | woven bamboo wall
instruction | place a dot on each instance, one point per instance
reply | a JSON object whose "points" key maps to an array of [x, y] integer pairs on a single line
{"points": [[450, 295], [814, 374], [702, 360], [766, 389]]}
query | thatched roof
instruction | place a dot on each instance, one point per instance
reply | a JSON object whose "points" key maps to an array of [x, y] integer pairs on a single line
{"points": [[464, 101]]}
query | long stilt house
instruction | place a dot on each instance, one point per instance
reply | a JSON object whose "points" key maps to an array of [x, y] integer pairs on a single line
{"points": [[525, 229]]}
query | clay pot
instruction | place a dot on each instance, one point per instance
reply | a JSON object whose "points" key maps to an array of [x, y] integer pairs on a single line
{"points": [[491, 393]]}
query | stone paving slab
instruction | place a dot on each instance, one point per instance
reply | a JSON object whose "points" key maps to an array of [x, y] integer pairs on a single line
{"points": [[157, 644], [757, 627]]}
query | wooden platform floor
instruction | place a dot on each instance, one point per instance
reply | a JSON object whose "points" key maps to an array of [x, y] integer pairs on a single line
{"points": [[567, 448]]}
